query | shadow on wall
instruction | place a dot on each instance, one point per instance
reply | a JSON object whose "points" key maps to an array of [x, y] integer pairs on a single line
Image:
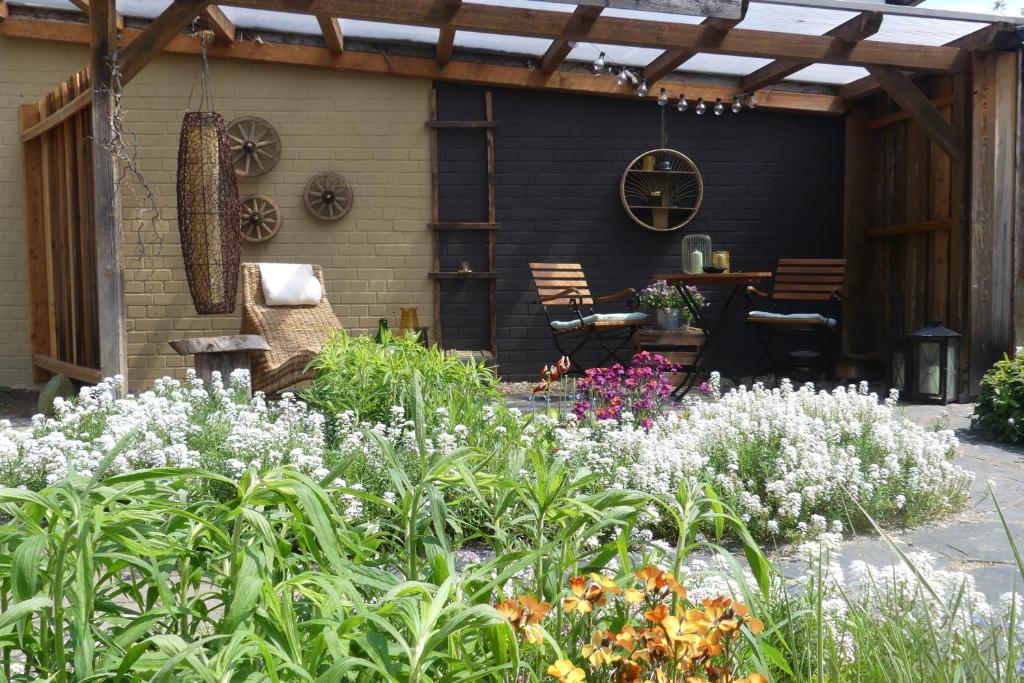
{"points": [[773, 187]]}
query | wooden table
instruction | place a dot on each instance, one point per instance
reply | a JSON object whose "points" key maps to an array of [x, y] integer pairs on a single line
{"points": [[223, 354], [712, 329]]}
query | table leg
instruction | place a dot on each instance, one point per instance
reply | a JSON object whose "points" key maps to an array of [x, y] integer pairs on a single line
{"points": [[711, 332]]}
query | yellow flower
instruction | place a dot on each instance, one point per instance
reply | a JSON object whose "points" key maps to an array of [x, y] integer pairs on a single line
{"points": [[566, 672], [633, 596], [584, 598], [605, 584]]}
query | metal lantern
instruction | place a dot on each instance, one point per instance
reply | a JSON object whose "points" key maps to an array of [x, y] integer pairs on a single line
{"points": [[933, 355], [208, 212]]}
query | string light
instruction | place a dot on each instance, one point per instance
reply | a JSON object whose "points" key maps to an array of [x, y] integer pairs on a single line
{"points": [[701, 107], [737, 106], [642, 89], [662, 98], [600, 64], [623, 78], [683, 104], [752, 101], [719, 107]]}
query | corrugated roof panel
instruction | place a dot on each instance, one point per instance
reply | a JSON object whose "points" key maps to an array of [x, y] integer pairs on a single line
{"points": [[830, 74]]}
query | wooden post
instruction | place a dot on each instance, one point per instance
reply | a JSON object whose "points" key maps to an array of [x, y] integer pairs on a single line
{"points": [[993, 198], [106, 193]]}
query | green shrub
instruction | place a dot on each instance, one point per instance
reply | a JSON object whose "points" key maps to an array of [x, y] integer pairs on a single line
{"points": [[999, 411], [369, 379]]}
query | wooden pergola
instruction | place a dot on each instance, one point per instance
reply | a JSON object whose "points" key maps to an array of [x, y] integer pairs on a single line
{"points": [[974, 142]]}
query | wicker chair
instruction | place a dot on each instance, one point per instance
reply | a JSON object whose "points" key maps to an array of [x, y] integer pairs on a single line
{"points": [[295, 334]]}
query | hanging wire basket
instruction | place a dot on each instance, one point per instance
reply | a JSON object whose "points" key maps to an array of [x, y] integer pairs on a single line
{"points": [[209, 211]]}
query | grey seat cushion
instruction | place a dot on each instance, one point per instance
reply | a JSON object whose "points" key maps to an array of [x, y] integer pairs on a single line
{"points": [[809, 318], [568, 325]]}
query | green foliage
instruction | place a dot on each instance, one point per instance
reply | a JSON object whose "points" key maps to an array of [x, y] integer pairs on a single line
{"points": [[358, 374], [999, 411]]}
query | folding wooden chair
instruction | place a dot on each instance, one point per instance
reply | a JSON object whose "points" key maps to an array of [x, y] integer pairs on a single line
{"points": [[813, 281], [562, 289]]}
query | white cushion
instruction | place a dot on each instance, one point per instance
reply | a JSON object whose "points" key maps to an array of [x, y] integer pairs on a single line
{"points": [[290, 284], [566, 325], [813, 318]]}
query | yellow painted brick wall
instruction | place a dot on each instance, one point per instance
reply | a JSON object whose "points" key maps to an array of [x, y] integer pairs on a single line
{"points": [[368, 128]]}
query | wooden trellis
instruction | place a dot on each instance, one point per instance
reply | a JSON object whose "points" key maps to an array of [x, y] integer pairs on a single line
{"points": [[61, 241]]}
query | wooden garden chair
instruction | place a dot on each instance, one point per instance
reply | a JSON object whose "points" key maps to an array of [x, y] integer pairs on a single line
{"points": [[564, 295], [295, 334], [810, 283]]}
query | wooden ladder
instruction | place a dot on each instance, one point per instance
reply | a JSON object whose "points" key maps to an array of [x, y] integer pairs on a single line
{"points": [[436, 226]]}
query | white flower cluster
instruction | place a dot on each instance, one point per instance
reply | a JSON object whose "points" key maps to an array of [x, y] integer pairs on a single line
{"points": [[175, 424], [785, 458]]}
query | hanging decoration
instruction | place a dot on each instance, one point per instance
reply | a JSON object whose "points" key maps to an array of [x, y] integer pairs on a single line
{"points": [[208, 206], [255, 146], [261, 219], [328, 196], [661, 189]]}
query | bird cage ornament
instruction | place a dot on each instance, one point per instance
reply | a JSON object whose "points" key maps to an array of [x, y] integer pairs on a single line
{"points": [[209, 212], [696, 253]]}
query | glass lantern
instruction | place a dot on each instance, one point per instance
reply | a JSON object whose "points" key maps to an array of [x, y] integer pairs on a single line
{"points": [[933, 352]]}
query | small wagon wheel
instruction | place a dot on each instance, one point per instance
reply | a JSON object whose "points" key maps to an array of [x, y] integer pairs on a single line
{"points": [[255, 145], [261, 219], [328, 196]]}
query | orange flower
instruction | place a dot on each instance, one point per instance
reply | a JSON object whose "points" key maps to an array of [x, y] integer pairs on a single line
{"points": [[510, 609], [525, 613], [584, 598], [564, 365], [605, 583], [599, 651], [566, 672], [633, 596], [657, 614]]}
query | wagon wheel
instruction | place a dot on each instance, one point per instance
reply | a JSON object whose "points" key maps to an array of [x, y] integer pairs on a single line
{"points": [[261, 219], [328, 196], [255, 145]]}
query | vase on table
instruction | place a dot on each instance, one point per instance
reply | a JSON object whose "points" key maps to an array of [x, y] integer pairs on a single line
{"points": [[670, 319]]}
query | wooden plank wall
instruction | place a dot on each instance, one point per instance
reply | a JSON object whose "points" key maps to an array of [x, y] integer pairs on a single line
{"points": [[57, 166], [904, 222]]}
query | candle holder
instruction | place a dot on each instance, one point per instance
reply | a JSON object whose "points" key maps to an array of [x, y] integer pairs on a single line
{"points": [[696, 253]]}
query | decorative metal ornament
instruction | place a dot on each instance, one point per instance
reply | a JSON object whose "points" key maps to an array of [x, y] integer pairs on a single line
{"points": [[328, 196], [208, 212], [255, 146], [261, 218], [661, 190]]}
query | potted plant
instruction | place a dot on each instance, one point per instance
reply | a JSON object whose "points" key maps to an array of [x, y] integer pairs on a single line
{"points": [[667, 304]]}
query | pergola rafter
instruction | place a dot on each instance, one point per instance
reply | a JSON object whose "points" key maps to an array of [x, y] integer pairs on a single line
{"points": [[446, 36], [330, 27], [714, 30], [846, 35], [583, 17], [218, 22]]}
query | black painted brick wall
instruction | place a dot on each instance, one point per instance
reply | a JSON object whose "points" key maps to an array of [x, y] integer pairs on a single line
{"points": [[772, 188]]}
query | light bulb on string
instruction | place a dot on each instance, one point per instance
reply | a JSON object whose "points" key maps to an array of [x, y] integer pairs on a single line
{"points": [[701, 107], [623, 78], [599, 63], [719, 107], [642, 89], [683, 104], [752, 101], [662, 98], [737, 106]]}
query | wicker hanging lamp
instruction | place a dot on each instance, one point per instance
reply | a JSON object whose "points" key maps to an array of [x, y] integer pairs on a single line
{"points": [[208, 206]]}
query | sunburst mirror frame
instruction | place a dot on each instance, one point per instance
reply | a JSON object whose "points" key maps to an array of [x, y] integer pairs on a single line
{"points": [[662, 195]]}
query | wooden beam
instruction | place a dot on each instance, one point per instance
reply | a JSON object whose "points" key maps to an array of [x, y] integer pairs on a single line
{"points": [[579, 24], [670, 60], [615, 30], [218, 22], [107, 194], [845, 35], [333, 37], [420, 67], [920, 109], [724, 9], [897, 116], [82, 5], [936, 225], [77, 372], [154, 38], [446, 37], [1000, 35], [4, 10]]}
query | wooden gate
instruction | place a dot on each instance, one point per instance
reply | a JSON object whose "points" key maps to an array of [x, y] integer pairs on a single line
{"points": [[56, 136]]}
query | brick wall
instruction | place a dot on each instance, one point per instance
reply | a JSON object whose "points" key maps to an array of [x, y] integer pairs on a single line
{"points": [[368, 128], [772, 188]]}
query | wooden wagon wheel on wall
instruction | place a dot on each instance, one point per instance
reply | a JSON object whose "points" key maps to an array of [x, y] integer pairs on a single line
{"points": [[661, 190], [261, 218], [328, 196], [255, 146]]}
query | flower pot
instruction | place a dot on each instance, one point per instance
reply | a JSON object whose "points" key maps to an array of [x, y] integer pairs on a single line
{"points": [[670, 319]]}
